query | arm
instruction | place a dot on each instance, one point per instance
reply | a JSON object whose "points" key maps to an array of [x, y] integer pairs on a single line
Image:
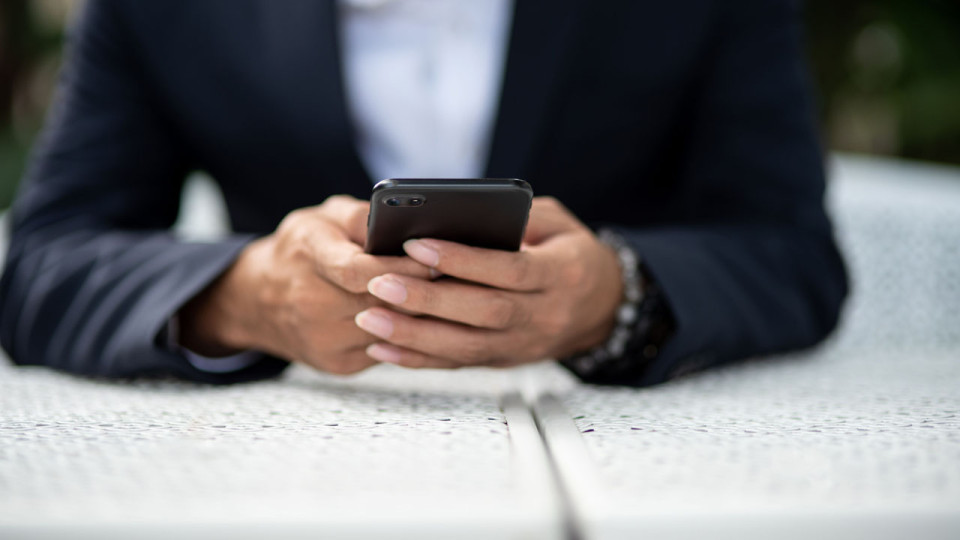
{"points": [[92, 276], [750, 268], [758, 270]]}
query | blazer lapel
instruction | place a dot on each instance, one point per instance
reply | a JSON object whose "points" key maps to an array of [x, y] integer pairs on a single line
{"points": [[336, 99], [540, 35], [305, 40], [539, 38]]}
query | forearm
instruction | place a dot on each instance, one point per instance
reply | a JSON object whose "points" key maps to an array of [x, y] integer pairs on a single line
{"points": [[95, 302], [222, 319], [736, 291], [748, 264]]}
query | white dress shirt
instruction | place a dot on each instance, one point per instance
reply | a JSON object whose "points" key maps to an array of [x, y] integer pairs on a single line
{"points": [[423, 81]]}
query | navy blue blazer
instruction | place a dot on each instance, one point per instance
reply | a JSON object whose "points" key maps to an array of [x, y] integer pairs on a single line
{"points": [[687, 125]]}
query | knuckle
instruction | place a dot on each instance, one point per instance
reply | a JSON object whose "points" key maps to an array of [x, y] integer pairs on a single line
{"points": [[335, 200], [415, 361], [292, 220], [474, 351], [503, 313], [293, 305], [519, 273], [405, 334], [358, 213], [343, 365], [550, 202], [336, 271], [346, 274], [300, 295], [422, 298]]}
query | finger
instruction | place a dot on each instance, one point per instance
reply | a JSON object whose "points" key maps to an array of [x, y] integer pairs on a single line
{"points": [[442, 339], [457, 301], [316, 338], [343, 262], [316, 299], [353, 269], [511, 270], [349, 213], [390, 354], [340, 335], [548, 217], [343, 363]]}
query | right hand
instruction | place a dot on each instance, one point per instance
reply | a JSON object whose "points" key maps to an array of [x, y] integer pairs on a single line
{"points": [[295, 292]]}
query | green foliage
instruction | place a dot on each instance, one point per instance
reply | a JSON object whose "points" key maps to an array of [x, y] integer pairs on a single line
{"points": [[30, 42], [888, 75], [13, 158]]}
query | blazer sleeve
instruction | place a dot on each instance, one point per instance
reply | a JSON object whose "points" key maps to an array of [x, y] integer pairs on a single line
{"points": [[93, 273], [754, 269]]}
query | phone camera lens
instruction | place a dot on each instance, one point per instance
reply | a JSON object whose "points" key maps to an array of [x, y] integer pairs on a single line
{"points": [[416, 202], [393, 201]]}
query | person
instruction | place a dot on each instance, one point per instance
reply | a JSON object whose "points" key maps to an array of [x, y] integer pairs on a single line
{"points": [[679, 221]]}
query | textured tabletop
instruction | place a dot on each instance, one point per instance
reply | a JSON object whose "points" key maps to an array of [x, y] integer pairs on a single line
{"points": [[858, 439], [390, 451]]}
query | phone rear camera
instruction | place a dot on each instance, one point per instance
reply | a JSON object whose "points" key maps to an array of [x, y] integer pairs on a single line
{"points": [[393, 201], [416, 202]]}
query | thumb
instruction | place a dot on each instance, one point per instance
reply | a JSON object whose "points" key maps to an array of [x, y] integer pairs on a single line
{"points": [[548, 218]]}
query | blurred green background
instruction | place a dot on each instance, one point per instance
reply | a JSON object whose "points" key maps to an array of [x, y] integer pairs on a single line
{"points": [[887, 74]]}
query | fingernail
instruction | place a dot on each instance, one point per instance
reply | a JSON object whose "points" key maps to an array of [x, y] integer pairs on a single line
{"points": [[421, 253], [387, 289], [381, 353], [374, 323]]}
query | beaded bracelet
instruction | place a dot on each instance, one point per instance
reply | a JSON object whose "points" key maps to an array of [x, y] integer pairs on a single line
{"points": [[640, 323]]}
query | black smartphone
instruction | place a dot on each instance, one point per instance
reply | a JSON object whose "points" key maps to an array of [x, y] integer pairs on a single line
{"points": [[482, 212]]}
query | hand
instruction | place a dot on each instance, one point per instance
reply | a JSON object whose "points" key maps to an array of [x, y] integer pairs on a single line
{"points": [[556, 296], [295, 293]]}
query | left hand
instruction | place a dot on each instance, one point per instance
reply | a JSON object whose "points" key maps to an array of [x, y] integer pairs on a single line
{"points": [[556, 296]]}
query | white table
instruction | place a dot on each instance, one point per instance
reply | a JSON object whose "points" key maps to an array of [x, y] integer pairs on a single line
{"points": [[857, 439]]}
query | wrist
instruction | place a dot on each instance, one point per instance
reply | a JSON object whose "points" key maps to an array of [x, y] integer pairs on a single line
{"points": [[599, 305], [215, 321], [609, 299], [631, 292], [627, 316]]}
